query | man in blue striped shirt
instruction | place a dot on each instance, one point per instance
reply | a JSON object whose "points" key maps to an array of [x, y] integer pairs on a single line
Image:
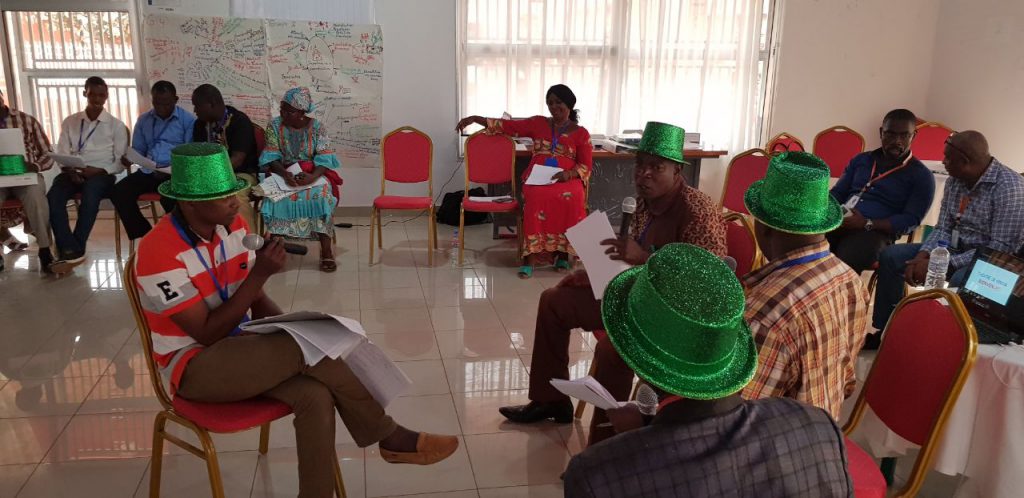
{"points": [[157, 131], [983, 206]]}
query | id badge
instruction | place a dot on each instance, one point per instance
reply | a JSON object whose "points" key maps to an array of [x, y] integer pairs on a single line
{"points": [[551, 161], [954, 238], [851, 203]]}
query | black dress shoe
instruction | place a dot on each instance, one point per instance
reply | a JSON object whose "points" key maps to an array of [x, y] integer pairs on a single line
{"points": [[45, 260], [560, 412], [872, 341]]}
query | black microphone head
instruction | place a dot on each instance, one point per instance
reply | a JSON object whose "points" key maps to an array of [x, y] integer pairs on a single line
{"points": [[252, 242], [628, 205]]}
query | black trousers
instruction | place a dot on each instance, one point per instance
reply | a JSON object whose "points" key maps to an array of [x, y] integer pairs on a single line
{"points": [[858, 248], [125, 197]]}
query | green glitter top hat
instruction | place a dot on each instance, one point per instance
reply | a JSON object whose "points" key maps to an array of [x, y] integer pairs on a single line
{"points": [[678, 322], [201, 172], [793, 196], [663, 140], [12, 165]]}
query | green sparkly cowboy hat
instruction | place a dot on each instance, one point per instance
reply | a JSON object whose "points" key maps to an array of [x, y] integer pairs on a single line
{"points": [[663, 140], [678, 322], [201, 172], [793, 197]]}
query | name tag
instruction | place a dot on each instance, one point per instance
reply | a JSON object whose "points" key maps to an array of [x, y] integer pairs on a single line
{"points": [[954, 237], [851, 203]]}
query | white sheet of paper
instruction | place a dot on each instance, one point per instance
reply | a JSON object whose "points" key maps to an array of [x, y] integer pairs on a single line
{"points": [[19, 180], [586, 237], [490, 199], [296, 169], [12, 142], [588, 389], [143, 161], [68, 161], [541, 175]]}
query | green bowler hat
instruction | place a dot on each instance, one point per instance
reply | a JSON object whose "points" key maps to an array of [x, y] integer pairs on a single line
{"points": [[793, 197], [678, 322], [201, 172], [663, 140], [12, 165]]}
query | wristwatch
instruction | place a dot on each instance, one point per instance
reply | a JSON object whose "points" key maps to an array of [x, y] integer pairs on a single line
{"points": [[869, 225]]}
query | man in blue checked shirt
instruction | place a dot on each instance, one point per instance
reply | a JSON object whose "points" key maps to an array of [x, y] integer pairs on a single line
{"points": [[156, 132], [983, 206]]}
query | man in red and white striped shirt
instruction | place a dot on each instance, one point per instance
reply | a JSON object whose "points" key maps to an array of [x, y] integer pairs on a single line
{"points": [[198, 283]]}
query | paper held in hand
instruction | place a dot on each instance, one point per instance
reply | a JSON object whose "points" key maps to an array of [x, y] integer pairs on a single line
{"points": [[143, 161], [541, 175], [321, 335], [586, 237], [12, 142], [590, 390], [68, 161]]}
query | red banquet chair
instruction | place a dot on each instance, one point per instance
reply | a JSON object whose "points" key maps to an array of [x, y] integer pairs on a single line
{"points": [[836, 146], [201, 418], [407, 156], [930, 142], [927, 351], [741, 244], [784, 142], [744, 169], [490, 159]]}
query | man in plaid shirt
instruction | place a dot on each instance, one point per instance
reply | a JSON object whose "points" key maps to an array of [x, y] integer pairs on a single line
{"points": [[982, 206], [807, 309]]}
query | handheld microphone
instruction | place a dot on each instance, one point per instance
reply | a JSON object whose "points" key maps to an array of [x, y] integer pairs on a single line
{"points": [[730, 262], [254, 242], [628, 208], [646, 399]]}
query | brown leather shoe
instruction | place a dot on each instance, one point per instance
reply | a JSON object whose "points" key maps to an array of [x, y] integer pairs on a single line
{"points": [[430, 449]]}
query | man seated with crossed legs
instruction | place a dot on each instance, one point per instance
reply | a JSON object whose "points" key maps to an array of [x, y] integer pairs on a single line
{"points": [[198, 283]]}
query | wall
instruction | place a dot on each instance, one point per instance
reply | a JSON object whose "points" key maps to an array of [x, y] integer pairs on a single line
{"points": [[851, 61], [419, 90], [978, 71]]}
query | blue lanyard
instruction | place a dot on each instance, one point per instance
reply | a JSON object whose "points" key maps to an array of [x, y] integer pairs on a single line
{"points": [[553, 161], [81, 133], [221, 290], [801, 260]]}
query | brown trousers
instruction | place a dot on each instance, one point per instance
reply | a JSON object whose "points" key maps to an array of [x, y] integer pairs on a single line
{"points": [[238, 368], [562, 309]]}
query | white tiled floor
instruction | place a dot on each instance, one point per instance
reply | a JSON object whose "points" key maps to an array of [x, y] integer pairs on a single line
{"points": [[76, 406]]}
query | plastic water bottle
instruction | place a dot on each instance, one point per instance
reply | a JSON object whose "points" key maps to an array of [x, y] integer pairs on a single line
{"points": [[453, 250], [938, 264]]}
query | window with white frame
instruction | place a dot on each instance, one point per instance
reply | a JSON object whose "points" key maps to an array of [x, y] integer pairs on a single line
{"points": [[700, 64], [54, 52]]}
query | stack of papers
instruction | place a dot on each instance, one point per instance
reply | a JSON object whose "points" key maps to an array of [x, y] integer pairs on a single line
{"points": [[143, 161], [321, 335], [68, 161], [590, 390], [499, 198], [12, 142], [586, 237], [542, 175], [276, 188], [19, 180]]}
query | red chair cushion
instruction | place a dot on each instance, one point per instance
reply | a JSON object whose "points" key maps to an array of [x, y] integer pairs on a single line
{"points": [[231, 417], [490, 207], [868, 481], [11, 204], [402, 202], [600, 335], [149, 197]]}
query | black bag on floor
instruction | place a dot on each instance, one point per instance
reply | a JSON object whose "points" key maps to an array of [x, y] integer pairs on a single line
{"points": [[448, 213]]}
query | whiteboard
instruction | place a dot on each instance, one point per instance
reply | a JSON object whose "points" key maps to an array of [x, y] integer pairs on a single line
{"points": [[254, 62]]}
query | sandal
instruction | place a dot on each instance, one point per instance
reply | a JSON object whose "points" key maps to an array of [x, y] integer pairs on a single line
{"points": [[328, 265], [525, 272], [562, 265], [15, 245]]}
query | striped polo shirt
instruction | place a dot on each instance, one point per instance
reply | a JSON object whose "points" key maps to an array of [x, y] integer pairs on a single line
{"points": [[171, 277]]}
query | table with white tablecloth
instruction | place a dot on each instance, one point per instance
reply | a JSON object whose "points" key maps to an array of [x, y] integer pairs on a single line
{"points": [[984, 436]]}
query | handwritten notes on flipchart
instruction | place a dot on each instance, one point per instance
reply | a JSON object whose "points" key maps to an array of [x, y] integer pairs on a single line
{"points": [[254, 62]]}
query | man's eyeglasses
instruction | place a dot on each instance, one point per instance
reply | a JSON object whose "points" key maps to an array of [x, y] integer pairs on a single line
{"points": [[949, 143]]}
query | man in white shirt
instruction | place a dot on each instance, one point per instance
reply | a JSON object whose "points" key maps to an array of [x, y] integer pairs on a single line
{"points": [[100, 140]]}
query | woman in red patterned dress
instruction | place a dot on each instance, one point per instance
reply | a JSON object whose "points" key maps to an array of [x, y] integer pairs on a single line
{"points": [[548, 210]]}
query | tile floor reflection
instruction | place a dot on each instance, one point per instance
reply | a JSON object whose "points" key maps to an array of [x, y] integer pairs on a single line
{"points": [[76, 404]]}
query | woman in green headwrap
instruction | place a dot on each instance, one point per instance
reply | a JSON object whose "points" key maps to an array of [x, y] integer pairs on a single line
{"points": [[295, 137]]}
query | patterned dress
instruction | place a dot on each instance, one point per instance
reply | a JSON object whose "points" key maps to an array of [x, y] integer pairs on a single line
{"points": [[548, 210], [309, 211]]}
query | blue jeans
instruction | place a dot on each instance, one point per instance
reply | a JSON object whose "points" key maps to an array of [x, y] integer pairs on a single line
{"points": [[889, 290], [72, 243]]}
